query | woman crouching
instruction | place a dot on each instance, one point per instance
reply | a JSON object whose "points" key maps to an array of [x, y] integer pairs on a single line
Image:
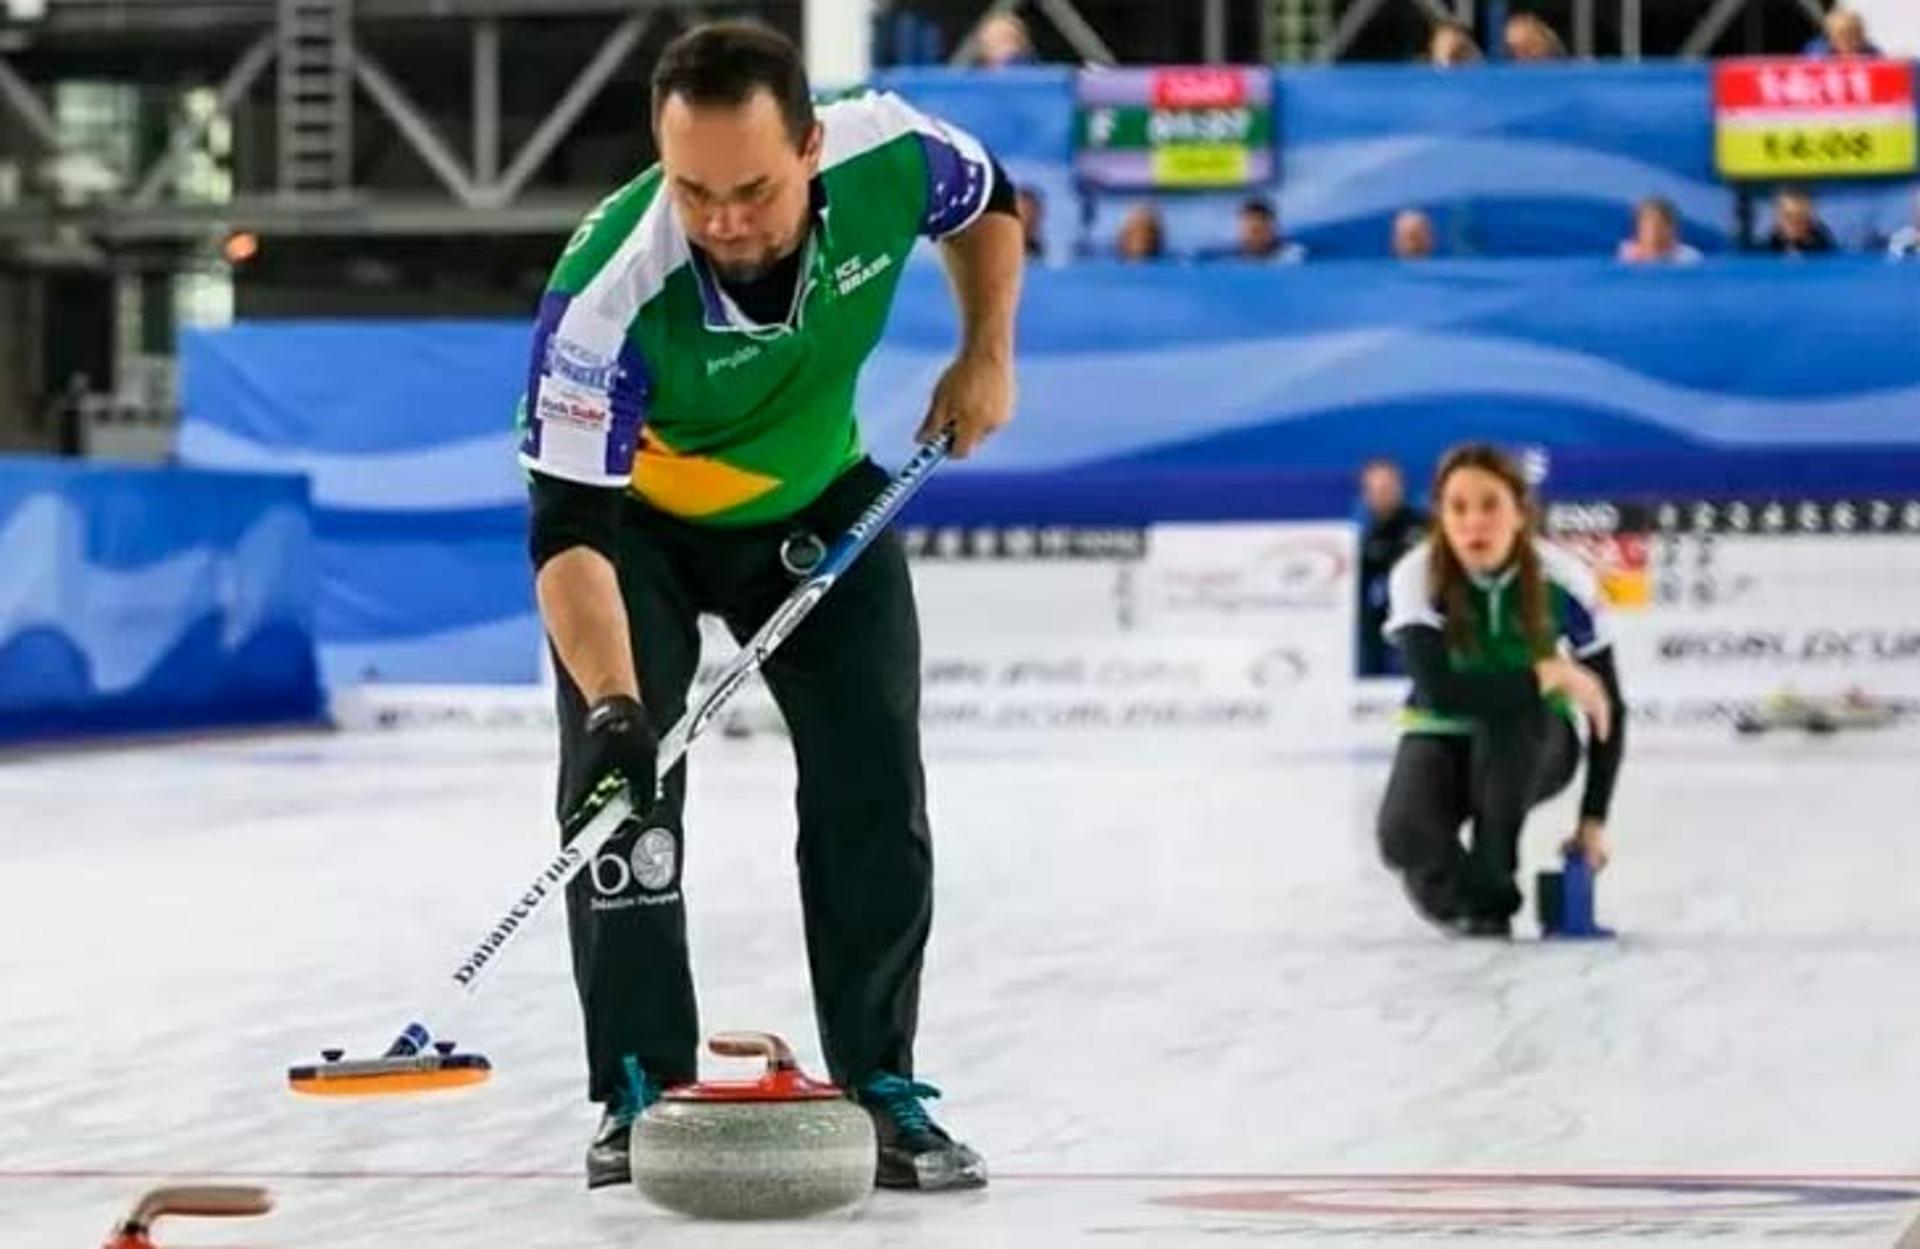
{"points": [[1502, 635]]}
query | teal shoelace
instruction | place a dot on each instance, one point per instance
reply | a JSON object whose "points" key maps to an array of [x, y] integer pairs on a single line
{"points": [[640, 1092], [900, 1098]]}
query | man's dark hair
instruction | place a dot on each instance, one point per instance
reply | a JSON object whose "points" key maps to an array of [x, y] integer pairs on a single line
{"points": [[1258, 206], [724, 63]]}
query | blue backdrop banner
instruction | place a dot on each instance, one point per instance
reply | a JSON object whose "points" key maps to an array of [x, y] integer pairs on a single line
{"points": [[143, 599], [405, 428], [1328, 364], [405, 431]]}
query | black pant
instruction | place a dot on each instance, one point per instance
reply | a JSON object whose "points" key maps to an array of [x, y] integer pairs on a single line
{"points": [[1491, 778], [848, 684], [1374, 655]]}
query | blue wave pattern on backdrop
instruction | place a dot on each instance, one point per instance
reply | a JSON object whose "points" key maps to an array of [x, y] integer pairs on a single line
{"points": [[144, 599], [1511, 160], [1122, 365], [405, 428], [405, 431]]}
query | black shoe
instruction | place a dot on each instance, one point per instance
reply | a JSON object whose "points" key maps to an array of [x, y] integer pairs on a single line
{"points": [[608, 1159], [1494, 927], [916, 1152], [1435, 897]]}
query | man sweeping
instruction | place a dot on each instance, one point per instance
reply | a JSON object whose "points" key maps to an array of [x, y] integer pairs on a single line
{"points": [[690, 441]]}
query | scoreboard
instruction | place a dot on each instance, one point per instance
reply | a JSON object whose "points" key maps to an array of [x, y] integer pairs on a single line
{"points": [[1199, 128], [1799, 118]]}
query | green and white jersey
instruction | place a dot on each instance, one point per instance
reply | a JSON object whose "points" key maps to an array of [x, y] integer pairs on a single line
{"points": [[1575, 618], [645, 373]]}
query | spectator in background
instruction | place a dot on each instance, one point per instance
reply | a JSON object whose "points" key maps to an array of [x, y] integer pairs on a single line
{"points": [[1905, 243], [1412, 235], [1846, 35], [1032, 208], [1392, 528], [1797, 229], [1002, 40], [68, 415], [1451, 44], [1142, 235], [1257, 235], [1529, 38], [1656, 236]]}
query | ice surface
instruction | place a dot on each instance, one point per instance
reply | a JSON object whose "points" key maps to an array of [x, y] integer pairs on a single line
{"points": [[1172, 997]]}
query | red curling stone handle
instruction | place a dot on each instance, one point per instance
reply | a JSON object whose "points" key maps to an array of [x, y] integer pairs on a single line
{"points": [[778, 1053]]}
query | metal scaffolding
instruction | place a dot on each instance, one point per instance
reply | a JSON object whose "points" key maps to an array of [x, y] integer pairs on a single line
{"points": [[330, 86], [1295, 30], [324, 73]]}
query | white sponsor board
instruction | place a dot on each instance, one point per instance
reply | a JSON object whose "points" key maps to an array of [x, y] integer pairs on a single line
{"points": [[1237, 629], [1247, 628], [1744, 616], [1242, 629], [1136, 683]]}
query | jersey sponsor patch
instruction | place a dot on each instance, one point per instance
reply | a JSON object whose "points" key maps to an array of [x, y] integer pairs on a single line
{"points": [[570, 362], [567, 403], [584, 406]]}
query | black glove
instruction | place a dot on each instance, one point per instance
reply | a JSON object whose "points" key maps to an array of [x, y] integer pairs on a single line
{"points": [[620, 750]]}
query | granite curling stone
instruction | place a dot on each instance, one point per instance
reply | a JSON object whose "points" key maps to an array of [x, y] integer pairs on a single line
{"points": [[778, 1147]]}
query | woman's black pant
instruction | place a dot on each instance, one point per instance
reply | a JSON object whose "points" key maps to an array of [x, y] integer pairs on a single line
{"points": [[1489, 779]]}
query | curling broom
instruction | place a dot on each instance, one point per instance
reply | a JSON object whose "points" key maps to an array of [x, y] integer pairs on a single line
{"points": [[418, 1060]]}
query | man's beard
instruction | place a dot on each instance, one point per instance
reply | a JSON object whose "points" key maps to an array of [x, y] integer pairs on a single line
{"points": [[742, 272], [752, 269]]}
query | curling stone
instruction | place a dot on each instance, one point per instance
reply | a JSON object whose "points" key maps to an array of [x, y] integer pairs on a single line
{"points": [[1564, 900], [778, 1147], [198, 1200]]}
